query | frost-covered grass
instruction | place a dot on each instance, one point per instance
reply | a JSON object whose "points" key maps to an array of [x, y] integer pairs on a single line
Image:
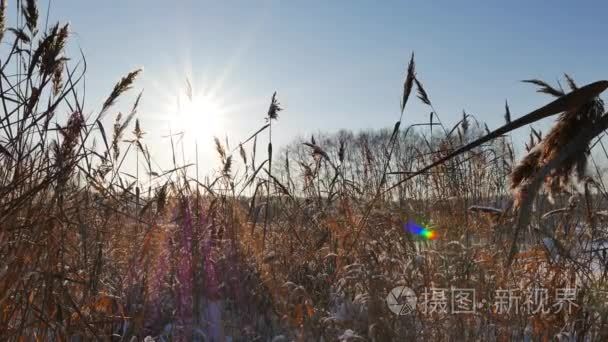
{"points": [[302, 242]]}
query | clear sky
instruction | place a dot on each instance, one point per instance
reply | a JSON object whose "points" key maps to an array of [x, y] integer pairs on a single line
{"points": [[334, 64]]}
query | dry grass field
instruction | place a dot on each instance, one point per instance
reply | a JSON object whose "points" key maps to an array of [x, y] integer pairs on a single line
{"points": [[294, 243]]}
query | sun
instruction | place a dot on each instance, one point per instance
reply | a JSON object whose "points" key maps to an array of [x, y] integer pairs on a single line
{"points": [[198, 115]]}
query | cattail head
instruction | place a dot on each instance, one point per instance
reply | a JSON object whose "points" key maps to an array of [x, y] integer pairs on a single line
{"points": [[219, 148], [122, 86], [465, 122], [2, 18], [43, 47], [227, 166], [544, 87], [546, 149], [117, 135], [30, 13], [64, 154], [571, 82], [422, 95], [20, 35], [73, 127], [161, 198], [137, 131], [274, 108], [341, 151], [58, 79], [408, 84], [50, 49], [287, 168], [567, 127], [528, 166], [308, 174], [243, 154], [507, 113], [32, 101], [317, 151]]}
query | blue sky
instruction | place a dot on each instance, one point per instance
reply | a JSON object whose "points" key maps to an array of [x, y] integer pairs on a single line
{"points": [[335, 64]]}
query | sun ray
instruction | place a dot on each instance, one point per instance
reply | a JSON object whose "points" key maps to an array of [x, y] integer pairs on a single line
{"points": [[197, 113]]}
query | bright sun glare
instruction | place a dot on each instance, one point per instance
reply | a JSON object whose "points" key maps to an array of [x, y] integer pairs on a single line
{"points": [[199, 116]]}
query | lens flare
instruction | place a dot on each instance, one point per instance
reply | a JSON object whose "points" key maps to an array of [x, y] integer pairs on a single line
{"points": [[419, 230]]}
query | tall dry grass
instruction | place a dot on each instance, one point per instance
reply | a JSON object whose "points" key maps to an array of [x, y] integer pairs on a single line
{"points": [[300, 243]]}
